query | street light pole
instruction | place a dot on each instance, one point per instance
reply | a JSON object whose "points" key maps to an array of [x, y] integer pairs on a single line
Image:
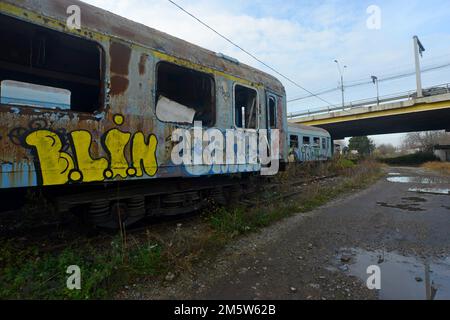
{"points": [[375, 81], [418, 50], [341, 72]]}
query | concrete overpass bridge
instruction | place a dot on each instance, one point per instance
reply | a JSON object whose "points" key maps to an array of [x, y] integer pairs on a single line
{"points": [[393, 114]]}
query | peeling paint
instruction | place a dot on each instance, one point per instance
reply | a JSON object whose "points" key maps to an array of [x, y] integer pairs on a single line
{"points": [[120, 58], [142, 63], [119, 85]]}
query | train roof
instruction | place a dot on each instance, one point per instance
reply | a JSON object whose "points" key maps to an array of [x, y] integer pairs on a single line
{"points": [[307, 128], [107, 23]]}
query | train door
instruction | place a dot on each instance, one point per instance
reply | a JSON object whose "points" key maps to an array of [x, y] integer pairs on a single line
{"points": [[271, 114], [247, 115]]}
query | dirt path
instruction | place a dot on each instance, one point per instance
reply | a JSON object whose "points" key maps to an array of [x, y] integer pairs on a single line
{"points": [[324, 254]]}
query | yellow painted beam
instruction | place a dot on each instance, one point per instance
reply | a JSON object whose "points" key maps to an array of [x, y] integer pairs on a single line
{"points": [[421, 107]]}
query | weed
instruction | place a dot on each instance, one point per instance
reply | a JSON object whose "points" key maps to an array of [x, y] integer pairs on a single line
{"points": [[442, 167], [410, 159]]}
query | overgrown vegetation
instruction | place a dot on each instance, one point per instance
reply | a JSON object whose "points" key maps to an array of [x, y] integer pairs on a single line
{"points": [[243, 220], [109, 264], [410, 159], [28, 273], [442, 167]]}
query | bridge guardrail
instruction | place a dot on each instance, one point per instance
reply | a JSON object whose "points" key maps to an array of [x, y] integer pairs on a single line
{"points": [[407, 95]]}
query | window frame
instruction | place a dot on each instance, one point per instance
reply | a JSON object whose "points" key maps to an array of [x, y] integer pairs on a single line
{"points": [[303, 141], [290, 140], [314, 142], [274, 98], [102, 74], [213, 123], [233, 106]]}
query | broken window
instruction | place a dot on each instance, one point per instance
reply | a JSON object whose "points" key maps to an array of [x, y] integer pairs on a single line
{"points": [[184, 95], [272, 113], [39, 56], [316, 142], [306, 140], [293, 141], [245, 107], [27, 94]]}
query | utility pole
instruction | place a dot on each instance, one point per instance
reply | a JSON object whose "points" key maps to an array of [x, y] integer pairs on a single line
{"points": [[341, 72], [418, 50], [375, 81]]}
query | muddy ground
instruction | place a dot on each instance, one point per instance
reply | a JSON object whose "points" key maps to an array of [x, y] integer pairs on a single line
{"points": [[401, 224]]}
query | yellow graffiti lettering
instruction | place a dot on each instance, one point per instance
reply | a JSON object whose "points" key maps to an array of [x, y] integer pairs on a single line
{"points": [[92, 169], [116, 141], [55, 165], [144, 154]]}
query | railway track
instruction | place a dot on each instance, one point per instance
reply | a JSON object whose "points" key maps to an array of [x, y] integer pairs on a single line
{"points": [[72, 229]]}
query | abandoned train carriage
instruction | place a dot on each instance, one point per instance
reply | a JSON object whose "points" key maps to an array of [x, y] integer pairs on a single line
{"points": [[308, 143], [100, 103]]}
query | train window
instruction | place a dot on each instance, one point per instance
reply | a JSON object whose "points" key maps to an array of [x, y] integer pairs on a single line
{"points": [[184, 95], [316, 141], [42, 57], [245, 107], [324, 143], [306, 140], [27, 94], [293, 141], [272, 113]]}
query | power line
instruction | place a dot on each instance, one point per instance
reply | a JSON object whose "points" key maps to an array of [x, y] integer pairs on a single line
{"points": [[250, 54], [360, 82], [363, 81], [406, 66]]}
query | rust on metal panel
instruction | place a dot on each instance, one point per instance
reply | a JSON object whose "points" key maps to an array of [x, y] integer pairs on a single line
{"points": [[120, 55], [119, 84], [142, 63]]}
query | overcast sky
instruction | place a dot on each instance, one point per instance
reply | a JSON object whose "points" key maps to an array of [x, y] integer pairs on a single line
{"points": [[301, 39]]}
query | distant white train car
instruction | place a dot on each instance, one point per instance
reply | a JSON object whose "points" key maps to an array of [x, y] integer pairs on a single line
{"points": [[308, 143]]}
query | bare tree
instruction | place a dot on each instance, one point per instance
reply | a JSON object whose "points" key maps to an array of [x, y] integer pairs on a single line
{"points": [[426, 140], [385, 150]]}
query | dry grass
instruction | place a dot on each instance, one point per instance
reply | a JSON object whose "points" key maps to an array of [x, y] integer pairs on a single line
{"points": [[442, 167]]}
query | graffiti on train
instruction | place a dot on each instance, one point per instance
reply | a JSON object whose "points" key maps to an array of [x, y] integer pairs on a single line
{"points": [[307, 153], [55, 165]]}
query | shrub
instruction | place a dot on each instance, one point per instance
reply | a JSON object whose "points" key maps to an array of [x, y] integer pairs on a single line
{"points": [[410, 159]]}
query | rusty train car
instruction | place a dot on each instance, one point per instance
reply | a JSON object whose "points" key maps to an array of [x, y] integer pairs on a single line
{"points": [[89, 112]]}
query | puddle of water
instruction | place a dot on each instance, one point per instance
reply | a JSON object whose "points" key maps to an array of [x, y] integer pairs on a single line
{"points": [[402, 206], [421, 180], [402, 277], [414, 199], [430, 190]]}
